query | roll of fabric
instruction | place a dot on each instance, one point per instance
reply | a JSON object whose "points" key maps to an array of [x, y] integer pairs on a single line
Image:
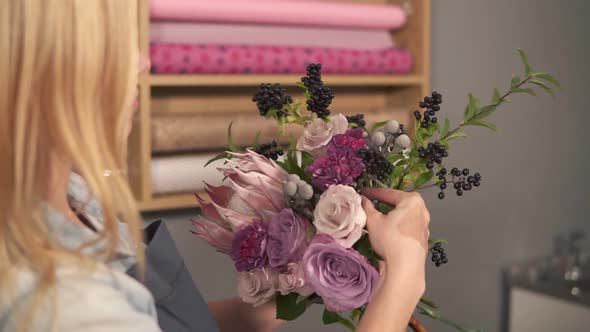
{"points": [[249, 34], [228, 59], [184, 173], [331, 14], [197, 132]]}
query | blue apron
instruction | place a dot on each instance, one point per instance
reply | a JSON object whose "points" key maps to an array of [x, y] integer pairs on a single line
{"points": [[179, 304]]}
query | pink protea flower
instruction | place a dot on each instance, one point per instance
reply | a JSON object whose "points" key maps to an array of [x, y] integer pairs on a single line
{"points": [[254, 192]]}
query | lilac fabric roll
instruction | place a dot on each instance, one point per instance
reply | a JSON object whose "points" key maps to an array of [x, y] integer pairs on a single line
{"points": [[228, 59], [251, 34], [298, 13]]}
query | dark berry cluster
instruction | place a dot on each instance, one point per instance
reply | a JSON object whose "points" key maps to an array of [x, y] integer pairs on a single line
{"points": [[431, 105], [439, 256], [376, 164], [320, 96], [358, 119], [271, 96], [461, 181], [433, 153], [269, 150]]}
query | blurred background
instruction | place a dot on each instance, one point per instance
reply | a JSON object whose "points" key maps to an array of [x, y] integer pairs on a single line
{"points": [[518, 258]]}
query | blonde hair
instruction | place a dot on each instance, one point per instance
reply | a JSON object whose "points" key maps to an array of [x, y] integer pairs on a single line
{"points": [[68, 73]]}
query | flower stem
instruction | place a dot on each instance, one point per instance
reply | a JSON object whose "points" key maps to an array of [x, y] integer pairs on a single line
{"points": [[406, 171]]}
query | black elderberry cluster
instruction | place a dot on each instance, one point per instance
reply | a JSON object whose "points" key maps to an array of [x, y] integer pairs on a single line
{"points": [[433, 153], [358, 119], [461, 181], [320, 95], [431, 105], [272, 96], [269, 150], [439, 256], [376, 164]]}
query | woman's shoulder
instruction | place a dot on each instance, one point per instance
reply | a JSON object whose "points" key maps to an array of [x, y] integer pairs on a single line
{"points": [[97, 299]]}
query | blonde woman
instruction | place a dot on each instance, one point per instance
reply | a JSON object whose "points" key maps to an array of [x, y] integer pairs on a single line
{"points": [[71, 250]]}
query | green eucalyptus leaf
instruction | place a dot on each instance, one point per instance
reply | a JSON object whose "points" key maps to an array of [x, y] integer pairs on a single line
{"points": [[230, 140], [347, 324], [301, 85], [456, 134], [547, 77], [445, 129], [471, 108], [330, 317], [433, 128], [496, 97], [378, 125], [423, 179], [484, 112], [432, 242], [515, 80], [272, 113], [288, 308], [523, 90], [525, 62], [544, 86], [483, 124], [392, 158], [217, 157], [256, 139]]}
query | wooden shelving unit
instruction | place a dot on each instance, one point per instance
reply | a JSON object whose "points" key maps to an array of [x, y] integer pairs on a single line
{"points": [[389, 92]]}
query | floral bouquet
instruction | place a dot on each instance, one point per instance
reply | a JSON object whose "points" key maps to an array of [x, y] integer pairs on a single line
{"points": [[291, 220]]}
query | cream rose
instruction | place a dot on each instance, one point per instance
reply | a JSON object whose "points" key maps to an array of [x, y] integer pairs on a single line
{"points": [[318, 133], [339, 214], [257, 287], [293, 280]]}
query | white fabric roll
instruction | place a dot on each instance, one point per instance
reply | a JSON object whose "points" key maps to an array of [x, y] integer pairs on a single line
{"points": [[184, 173]]}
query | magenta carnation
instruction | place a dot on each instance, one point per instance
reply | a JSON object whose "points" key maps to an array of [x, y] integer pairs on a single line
{"points": [[249, 246], [351, 140], [339, 166]]}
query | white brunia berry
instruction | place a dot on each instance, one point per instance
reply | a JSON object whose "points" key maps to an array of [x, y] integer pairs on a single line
{"points": [[378, 138], [290, 188], [391, 127], [305, 191], [293, 178], [403, 141]]}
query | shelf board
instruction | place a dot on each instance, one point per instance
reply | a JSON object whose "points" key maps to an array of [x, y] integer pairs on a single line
{"points": [[254, 80], [170, 202]]}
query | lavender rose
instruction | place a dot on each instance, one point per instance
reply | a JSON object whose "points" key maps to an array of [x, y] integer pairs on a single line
{"points": [[257, 287], [286, 238], [339, 213], [293, 281], [342, 277], [249, 246], [318, 134]]}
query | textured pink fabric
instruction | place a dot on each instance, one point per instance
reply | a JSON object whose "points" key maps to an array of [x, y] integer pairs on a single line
{"points": [[254, 34], [281, 12], [225, 59]]}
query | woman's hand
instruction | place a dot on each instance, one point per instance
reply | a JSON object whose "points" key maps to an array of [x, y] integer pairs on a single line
{"points": [[401, 236]]}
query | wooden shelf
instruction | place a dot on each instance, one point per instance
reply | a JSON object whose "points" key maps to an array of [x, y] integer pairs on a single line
{"points": [[255, 80], [170, 202]]}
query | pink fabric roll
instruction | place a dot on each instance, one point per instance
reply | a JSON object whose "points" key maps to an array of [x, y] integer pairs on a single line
{"points": [[281, 13], [225, 59], [251, 34]]}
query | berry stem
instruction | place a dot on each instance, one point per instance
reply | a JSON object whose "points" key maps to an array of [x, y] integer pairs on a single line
{"points": [[500, 101], [433, 185], [406, 171]]}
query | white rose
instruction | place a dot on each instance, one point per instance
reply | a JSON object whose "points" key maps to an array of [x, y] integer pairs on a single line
{"points": [[339, 213], [318, 133], [293, 280]]}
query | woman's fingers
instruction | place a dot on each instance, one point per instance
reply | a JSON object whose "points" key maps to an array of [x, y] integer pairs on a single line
{"points": [[390, 196]]}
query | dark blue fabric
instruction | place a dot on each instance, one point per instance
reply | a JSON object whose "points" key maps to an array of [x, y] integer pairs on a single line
{"points": [[179, 304]]}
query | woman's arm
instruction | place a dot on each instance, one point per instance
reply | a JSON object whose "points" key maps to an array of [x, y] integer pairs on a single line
{"points": [[235, 315], [401, 238]]}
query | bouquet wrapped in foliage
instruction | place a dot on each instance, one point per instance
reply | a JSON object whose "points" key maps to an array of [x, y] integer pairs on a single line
{"points": [[291, 220]]}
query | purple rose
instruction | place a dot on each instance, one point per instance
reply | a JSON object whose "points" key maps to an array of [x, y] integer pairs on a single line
{"points": [[351, 140], [286, 238], [249, 246], [342, 277], [340, 166]]}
